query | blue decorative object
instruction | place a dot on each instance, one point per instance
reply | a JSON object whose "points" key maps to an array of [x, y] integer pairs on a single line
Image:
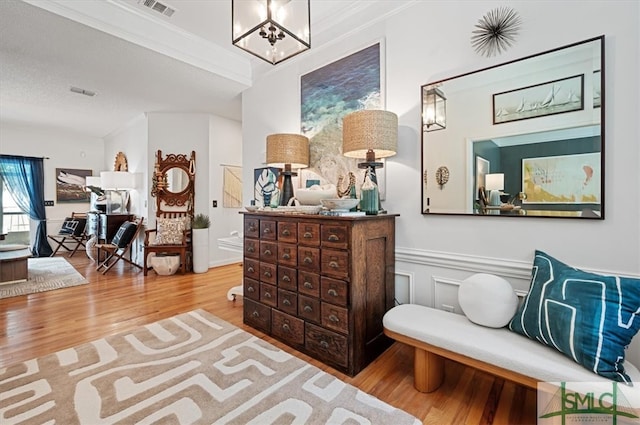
{"points": [[590, 318]]}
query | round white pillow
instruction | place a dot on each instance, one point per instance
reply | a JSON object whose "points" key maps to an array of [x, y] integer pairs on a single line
{"points": [[487, 300]]}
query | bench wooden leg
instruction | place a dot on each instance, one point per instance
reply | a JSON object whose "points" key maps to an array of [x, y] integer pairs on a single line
{"points": [[428, 371]]}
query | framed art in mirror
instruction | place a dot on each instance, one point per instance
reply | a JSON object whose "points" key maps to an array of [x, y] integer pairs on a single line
{"points": [[537, 121]]}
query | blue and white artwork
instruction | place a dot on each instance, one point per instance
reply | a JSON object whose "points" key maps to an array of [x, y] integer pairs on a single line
{"points": [[327, 95]]}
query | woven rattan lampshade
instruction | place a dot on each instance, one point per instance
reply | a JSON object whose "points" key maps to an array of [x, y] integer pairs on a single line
{"points": [[286, 148], [370, 129]]}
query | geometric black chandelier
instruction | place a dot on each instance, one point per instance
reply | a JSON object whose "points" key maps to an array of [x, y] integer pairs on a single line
{"points": [[273, 30]]}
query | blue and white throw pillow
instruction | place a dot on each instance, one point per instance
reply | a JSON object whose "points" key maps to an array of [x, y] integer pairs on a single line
{"points": [[590, 318]]}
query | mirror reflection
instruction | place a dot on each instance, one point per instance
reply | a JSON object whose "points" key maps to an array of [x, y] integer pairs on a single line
{"points": [[521, 139], [177, 180]]}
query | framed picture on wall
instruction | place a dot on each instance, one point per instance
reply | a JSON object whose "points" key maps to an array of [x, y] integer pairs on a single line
{"points": [[550, 98], [562, 179], [70, 185], [231, 186]]}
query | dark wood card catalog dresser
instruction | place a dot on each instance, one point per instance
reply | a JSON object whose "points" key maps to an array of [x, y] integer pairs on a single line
{"points": [[321, 284]]}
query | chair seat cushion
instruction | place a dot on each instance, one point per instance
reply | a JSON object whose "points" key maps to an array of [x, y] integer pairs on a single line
{"points": [[169, 231]]}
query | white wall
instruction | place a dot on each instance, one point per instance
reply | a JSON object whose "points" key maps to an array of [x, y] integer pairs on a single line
{"points": [[64, 150], [430, 41], [225, 138]]}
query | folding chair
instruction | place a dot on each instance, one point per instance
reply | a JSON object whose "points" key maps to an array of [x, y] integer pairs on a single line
{"points": [[73, 231], [119, 245]]}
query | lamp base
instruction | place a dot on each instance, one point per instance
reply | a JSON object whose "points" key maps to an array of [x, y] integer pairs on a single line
{"points": [[372, 165], [287, 187]]}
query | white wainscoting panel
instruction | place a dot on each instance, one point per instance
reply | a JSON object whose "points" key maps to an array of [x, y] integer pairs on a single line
{"points": [[405, 287]]}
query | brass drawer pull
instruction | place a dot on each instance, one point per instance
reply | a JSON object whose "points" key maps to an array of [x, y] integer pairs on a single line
{"points": [[307, 309], [307, 235], [334, 318], [267, 273], [286, 232], [308, 260], [286, 278], [308, 285], [255, 314], [286, 302], [324, 344], [267, 252], [286, 327], [332, 292], [266, 230], [333, 238], [250, 269], [250, 289], [251, 249], [267, 294], [286, 256], [252, 229], [333, 264]]}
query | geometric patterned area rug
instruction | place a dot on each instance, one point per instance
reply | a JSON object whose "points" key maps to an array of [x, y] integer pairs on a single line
{"points": [[45, 274], [193, 368]]}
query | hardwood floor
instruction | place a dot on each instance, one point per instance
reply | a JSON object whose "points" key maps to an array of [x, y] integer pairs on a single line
{"points": [[38, 324]]}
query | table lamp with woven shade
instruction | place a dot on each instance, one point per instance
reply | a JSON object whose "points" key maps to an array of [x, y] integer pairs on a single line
{"points": [[370, 134], [287, 151]]}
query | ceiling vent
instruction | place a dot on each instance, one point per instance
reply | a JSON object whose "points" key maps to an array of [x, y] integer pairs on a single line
{"points": [[82, 91], [159, 7]]}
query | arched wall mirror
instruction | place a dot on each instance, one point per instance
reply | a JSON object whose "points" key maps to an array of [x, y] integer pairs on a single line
{"points": [[520, 139], [173, 180]]}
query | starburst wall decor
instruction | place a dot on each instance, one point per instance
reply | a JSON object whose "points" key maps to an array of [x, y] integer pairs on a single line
{"points": [[496, 31]]}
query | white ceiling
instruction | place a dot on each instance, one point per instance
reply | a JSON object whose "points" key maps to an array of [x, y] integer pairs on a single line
{"points": [[136, 59]]}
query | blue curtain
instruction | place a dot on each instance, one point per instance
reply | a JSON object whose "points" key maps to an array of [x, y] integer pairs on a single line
{"points": [[24, 177]]}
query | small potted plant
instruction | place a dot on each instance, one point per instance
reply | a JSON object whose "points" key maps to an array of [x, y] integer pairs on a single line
{"points": [[200, 241]]}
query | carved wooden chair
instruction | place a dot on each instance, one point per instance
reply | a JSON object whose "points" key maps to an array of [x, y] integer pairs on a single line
{"points": [[72, 235], [173, 188]]}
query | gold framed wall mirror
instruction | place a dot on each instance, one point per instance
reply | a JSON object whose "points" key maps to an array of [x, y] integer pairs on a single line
{"points": [[530, 132]]}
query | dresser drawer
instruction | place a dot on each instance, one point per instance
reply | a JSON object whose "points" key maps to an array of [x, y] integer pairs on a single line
{"points": [[287, 278], [268, 273], [251, 268], [309, 283], [334, 317], [251, 248], [334, 236], [335, 263], [287, 232], [334, 291], [288, 301], [268, 230], [309, 308], [268, 251], [251, 228], [309, 259], [257, 315], [251, 288], [288, 328], [309, 234], [268, 294], [326, 345], [288, 254]]}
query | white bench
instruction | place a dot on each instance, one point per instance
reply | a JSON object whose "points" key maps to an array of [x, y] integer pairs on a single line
{"points": [[438, 334]]}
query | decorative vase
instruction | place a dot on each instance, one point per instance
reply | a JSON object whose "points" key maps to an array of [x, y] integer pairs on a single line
{"points": [[200, 246]]}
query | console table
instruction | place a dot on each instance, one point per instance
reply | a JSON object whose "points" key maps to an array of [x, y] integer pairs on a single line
{"points": [[321, 284]]}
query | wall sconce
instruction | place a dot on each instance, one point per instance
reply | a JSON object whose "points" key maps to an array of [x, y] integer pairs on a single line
{"points": [[370, 134], [273, 30], [287, 151], [495, 184], [434, 113]]}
